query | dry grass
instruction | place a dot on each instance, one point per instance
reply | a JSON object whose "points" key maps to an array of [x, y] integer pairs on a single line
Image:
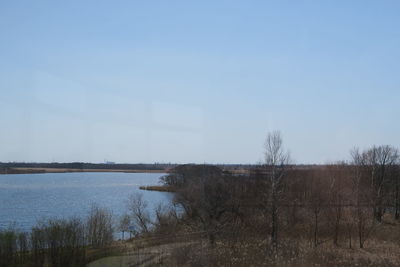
{"points": [[298, 254], [382, 249]]}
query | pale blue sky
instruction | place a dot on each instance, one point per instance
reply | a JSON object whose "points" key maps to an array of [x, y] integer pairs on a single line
{"points": [[179, 81]]}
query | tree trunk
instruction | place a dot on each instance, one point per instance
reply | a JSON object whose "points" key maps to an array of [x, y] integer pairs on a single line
{"points": [[211, 239], [274, 227], [336, 233], [378, 213], [349, 240], [360, 234], [316, 230], [397, 202]]}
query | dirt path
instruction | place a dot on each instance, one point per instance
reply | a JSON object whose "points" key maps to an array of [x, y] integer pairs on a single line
{"points": [[150, 256]]}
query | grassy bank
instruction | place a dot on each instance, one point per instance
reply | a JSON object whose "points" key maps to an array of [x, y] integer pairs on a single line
{"points": [[160, 188]]}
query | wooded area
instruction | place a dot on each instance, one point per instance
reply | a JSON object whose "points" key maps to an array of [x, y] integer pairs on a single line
{"points": [[277, 213]]}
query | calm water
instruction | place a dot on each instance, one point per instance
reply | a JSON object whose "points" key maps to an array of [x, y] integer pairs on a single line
{"points": [[26, 198]]}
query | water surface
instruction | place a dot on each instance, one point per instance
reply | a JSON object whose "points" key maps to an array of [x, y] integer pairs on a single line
{"points": [[27, 198]]}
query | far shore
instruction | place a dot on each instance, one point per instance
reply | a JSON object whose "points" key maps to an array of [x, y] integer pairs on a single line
{"points": [[60, 170]]}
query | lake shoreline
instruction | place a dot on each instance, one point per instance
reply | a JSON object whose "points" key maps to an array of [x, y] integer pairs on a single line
{"points": [[28, 198], [63, 170], [159, 188]]}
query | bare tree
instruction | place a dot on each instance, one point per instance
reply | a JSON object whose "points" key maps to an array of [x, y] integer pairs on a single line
{"points": [[276, 162], [211, 202], [396, 193], [99, 227], [337, 172], [378, 163], [140, 215], [316, 202], [361, 194], [124, 223]]}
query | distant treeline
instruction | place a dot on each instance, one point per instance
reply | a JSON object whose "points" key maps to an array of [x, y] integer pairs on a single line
{"points": [[83, 165], [113, 166]]}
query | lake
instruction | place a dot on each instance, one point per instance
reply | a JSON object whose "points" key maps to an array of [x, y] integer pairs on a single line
{"points": [[27, 198]]}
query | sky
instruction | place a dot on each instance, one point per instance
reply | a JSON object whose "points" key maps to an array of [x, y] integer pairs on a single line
{"points": [[196, 81]]}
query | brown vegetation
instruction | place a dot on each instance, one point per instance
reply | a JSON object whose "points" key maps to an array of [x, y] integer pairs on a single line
{"points": [[343, 214]]}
